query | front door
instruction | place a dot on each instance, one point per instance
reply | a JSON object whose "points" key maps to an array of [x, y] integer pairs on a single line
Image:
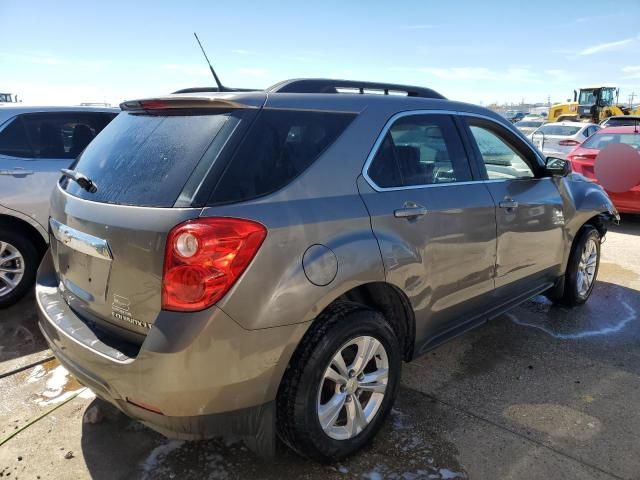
{"points": [[434, 223], [530, 217]]}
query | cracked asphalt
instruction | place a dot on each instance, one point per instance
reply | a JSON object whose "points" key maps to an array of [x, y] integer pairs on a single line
{"points": [[540, 393]]}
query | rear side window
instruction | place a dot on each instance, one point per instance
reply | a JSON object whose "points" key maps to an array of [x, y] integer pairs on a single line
{"points": [[14, 141], [279, 146], [63, 135], [145, 160], [420, 150]]}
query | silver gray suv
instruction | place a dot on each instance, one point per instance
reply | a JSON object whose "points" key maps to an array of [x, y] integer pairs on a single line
{"points": [[260, 264]]}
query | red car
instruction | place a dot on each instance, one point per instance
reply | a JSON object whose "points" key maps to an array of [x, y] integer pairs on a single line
{"points": [[583, 157]]}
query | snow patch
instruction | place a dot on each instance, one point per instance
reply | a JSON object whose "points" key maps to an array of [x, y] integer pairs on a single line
{"points": [[157, 455], [605, 330]]}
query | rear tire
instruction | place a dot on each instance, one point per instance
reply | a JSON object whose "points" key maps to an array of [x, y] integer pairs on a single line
{"points": [[19, 260], [582, 268], [328, 420]]}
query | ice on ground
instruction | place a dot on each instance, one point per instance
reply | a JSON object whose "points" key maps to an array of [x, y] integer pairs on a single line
{"points": [[157, 455]]}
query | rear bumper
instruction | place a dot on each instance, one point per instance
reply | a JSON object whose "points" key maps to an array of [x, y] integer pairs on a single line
{"points": [[627, 202], [195, 376]]}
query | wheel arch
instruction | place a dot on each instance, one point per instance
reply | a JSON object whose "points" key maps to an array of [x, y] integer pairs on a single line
{"points": [[26, 228], [388, 300]]}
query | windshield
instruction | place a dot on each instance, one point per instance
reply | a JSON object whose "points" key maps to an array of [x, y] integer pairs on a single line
{"points": [[601, 140], [560, 130], [145, 160]]}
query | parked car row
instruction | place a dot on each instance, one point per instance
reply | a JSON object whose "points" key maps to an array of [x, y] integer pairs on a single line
{"points": [[314, 242]]}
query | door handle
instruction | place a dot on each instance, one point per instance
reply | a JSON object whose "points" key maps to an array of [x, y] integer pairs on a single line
{"points": [[508, 203], [16, 172], [410, 212]]}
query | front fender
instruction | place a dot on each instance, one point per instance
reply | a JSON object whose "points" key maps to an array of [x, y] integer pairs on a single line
{"points": [[584, 201]]}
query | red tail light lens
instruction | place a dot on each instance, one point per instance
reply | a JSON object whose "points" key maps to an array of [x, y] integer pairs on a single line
{"points": [[568, 143], [204, 258]]}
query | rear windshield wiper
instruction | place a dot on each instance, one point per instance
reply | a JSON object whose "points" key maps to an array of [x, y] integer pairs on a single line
{"points": [[85, 182]]}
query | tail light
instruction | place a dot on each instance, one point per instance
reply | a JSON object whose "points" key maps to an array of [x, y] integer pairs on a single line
{"points": [[204, 258], [568, 143]]}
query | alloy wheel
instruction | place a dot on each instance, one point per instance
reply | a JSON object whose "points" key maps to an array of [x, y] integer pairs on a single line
{"points": [[11, 268], [587, 267], [353, 387]]}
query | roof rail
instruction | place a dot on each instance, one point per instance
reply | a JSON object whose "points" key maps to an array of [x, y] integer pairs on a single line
{"points": [[325, 85], [215, 89]]}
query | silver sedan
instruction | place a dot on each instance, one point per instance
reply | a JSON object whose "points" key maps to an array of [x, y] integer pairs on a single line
{"points": [[559, 139]]}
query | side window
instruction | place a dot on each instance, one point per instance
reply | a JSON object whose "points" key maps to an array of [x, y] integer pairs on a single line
{"points": [[586, 132], [420, 150], [62, 135], [279, 146], [14, 141], [501, 160]]}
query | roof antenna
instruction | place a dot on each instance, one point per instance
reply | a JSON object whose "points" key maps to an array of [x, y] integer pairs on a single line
{"points": [[221, 88]]}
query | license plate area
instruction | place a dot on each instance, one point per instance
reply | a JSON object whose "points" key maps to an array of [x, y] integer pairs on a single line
{"points": [[83, 263]]}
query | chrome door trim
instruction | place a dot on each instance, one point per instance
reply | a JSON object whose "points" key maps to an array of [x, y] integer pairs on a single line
{"points": [[80, 241], [392, 120], [380, 139], [511, 128]]}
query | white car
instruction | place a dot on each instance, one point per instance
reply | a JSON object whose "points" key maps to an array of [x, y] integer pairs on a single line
{"points": [[535, 116], [560, 138], [529, 126]]}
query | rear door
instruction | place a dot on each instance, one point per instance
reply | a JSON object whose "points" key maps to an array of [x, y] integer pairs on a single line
{"points": [[434, 222], [33, 149], [108, 245], [530, 214]]}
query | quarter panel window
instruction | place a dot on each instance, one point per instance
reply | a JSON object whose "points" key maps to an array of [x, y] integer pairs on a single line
{"points": [[420, 150], [279, 146], [501, 160]]}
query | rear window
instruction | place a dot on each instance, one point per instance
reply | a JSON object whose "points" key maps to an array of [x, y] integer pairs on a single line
{"points": [[145, 160], [601, 140], [280, 145], [528, 124], [560, 130], [622, 122]]}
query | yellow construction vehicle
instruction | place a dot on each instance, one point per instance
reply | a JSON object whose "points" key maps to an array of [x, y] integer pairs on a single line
{"points": [[592, 104]]}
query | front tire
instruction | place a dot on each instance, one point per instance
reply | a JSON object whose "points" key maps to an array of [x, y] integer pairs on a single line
{"points": [[19, 261], [582, 268], [340, 384]]}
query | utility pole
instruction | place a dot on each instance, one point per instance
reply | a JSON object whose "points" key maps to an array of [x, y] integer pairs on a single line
{"points": [[631, 97]]}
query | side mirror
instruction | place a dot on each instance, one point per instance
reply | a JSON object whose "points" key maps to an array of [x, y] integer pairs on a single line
{"points": [[557, 167]]}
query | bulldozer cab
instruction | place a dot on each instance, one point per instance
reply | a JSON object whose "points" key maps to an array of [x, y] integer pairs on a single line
{"points": [[595, 103], [601, 96], [8, 98]]}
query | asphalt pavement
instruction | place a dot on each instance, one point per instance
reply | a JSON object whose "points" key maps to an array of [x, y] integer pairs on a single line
{"points": [[542, 392]]}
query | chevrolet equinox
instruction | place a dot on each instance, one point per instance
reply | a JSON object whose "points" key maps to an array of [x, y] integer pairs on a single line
{"points": [[260, 264]]}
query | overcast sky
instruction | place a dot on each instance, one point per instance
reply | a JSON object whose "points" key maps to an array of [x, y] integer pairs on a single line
{"points": [[66, 52]]}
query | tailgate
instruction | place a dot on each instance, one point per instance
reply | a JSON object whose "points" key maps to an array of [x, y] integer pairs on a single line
{"points": [[109, 259]]}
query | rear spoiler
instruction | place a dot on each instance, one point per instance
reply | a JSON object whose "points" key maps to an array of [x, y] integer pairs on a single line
{"points": [[183, 102]]}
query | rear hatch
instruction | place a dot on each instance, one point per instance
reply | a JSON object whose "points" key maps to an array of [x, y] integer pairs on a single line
{"points": [[151, 167]]}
